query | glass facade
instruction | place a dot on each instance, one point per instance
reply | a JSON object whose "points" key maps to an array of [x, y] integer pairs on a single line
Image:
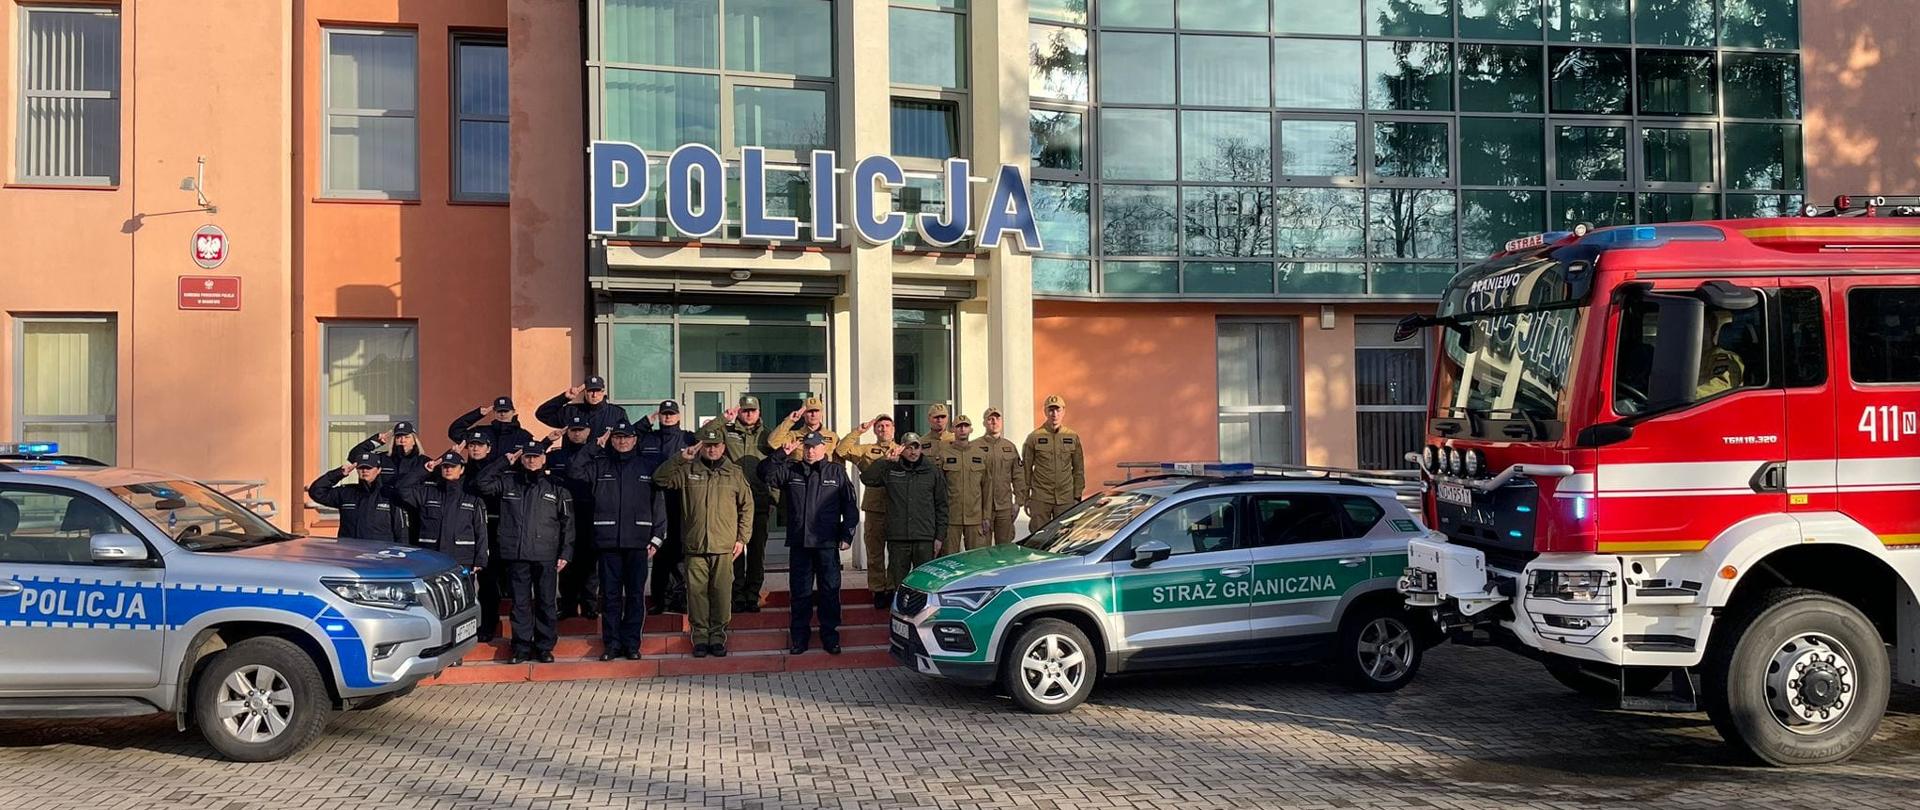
{"points": [[1363, 148]]}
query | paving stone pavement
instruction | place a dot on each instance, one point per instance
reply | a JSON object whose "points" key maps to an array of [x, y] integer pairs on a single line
{"points": [[1481, 728]]}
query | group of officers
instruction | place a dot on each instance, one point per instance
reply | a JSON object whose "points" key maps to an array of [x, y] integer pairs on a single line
{"points": [[602, 510]]}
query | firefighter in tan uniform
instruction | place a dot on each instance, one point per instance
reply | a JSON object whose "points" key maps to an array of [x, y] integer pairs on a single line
{"points": [[969, 493], [937, 431], [800, 423], [1006, 479], [873, 501], [1056, 467]]}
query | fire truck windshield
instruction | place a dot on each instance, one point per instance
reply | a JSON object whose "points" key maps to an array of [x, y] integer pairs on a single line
{"points": [[1508, 348]]}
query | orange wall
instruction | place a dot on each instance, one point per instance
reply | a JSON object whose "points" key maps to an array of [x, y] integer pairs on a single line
{"points": [[549, 318], [1862, 118], [202, 394], [1141, 380], [440, 264]]}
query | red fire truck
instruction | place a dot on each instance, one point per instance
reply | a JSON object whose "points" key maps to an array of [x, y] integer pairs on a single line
{"points": [[1681, 465]]}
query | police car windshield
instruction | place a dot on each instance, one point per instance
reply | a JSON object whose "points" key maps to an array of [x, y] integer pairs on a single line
{"points": [[198, 518], [1090, 523]]}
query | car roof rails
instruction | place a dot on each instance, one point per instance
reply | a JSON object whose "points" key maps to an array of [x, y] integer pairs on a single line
{"points": [[1866, 205]]}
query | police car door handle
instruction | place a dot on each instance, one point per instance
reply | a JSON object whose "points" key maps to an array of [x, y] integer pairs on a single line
{"points": [[1236, 571], [1352, 561], [9, 587]]}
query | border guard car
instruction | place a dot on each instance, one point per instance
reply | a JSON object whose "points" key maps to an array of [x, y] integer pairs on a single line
{"points": [[1219, 565], [125, 592]]}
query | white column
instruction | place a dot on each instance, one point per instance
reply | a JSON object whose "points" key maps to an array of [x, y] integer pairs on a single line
{"points": [[999, 124], [865, 313]]}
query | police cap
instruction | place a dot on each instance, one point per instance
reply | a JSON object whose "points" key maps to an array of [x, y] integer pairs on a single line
{"points": [[403, 428], [480, 437], [622, 428]]}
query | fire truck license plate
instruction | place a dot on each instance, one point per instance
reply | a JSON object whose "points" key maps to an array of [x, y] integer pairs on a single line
{"points": [[1454, 494]]}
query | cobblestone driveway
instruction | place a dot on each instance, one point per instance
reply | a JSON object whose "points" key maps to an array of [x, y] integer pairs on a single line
{"points": [[1481, 728]]}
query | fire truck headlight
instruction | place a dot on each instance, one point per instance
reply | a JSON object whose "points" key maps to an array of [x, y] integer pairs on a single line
{"points": [[1452, 461], [1430, 458], [1572, 586], [1474, 461]]}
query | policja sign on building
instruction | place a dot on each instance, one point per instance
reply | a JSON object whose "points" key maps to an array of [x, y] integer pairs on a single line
{"points": [[618, 178]]}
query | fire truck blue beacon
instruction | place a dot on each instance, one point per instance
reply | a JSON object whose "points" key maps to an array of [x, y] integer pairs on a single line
{"points": [[696, 203]]}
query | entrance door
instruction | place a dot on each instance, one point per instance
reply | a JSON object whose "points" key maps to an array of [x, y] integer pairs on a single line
{"points": [[710, 395], [1258, 371]]}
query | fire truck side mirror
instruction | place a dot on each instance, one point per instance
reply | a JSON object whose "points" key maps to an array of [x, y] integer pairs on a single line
{"points": [[1679, 342], [1729, 296]]}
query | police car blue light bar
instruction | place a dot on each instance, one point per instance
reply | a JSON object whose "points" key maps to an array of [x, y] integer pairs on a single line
{"points": [[1212, 469], [29, 448]]}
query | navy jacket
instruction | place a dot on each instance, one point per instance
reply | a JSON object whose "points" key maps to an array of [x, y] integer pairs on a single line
{"points": [[366, 512], [536, 515], [555, 413], [821, 508], [507, 436], [629, 511], [453, 521]]}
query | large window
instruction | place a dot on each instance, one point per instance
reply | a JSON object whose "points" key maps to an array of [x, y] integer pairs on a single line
{"points": [[724, 73], [480, 118], [1369, 148], [68, 389], [369, 379], [1259, 367], [69, 122], [923, 365], [372, 91], [652, 347], [1390, 394], [1883, 334]]}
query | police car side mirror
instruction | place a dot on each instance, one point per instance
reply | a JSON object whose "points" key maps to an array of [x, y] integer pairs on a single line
{"points": [[1150, 552], [117, 548]]}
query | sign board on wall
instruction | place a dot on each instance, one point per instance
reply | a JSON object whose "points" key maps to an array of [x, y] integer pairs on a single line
{"points": [[697, 190], [210, 292], [210, 247]]}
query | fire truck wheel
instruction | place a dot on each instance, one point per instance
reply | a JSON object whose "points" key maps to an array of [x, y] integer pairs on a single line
{"points": [[1796, 677], [1640, 680], [1380, 647]]}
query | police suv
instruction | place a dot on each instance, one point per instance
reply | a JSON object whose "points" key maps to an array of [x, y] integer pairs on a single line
{"points": [[125, 592], [1195, 567]]}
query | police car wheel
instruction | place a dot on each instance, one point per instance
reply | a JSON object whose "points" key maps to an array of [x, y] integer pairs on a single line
{"points": [[260, 699], [1379, 649], [1796, 677], [1050, 667]]}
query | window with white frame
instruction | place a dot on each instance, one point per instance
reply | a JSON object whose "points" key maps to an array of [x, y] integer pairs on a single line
{"points": [[69, 122], [480, 117], [1390, 394], [68, 387], [369, 379], [373, 129]]}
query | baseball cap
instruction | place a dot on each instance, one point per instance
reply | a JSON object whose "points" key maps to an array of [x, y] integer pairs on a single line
{"points": [[596, 383], [963, 419], [1055, 401], [669, 406], [577, 421], [503, 404], [885, 417], [813, 404], [451, 457], [813, 440], [937, 410], [991, 412], [910, 439], [403, 428], [621, 428], [749, 403], [366, 461], [712, 436], [533, 449], [480, 437]]}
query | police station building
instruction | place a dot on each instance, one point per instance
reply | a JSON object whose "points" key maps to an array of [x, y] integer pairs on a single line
{"points": [[1196, 220]]}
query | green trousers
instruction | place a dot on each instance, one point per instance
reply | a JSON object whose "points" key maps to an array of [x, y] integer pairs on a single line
{"points": [[709, 596], [903, 557]]}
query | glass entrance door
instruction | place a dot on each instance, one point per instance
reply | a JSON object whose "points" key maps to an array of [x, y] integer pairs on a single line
{"points": [[707, 396]]}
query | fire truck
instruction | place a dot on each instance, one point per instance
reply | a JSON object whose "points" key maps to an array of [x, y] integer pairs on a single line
{"points": [[1680, 464]]}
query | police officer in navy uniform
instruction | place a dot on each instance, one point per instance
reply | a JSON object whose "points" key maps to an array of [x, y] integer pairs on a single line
{"points": [[588, 401], [580, 585], [499, 421], [368, 509], [628, 521], [453, 521], [398, 462], [821, 514], [673, 436], [483, 461], [536, 543]]}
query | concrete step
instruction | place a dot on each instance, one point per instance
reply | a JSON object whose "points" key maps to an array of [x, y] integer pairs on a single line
{"points": [[565, 669], [677, 643]]}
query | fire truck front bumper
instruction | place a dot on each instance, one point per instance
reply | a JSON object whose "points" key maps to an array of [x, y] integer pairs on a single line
{"points": [[1560, 604]]}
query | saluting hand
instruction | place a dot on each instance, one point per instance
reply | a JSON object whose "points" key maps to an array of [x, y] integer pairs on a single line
{"points": [[346, 468], [730, 413], [386, 436], [795, 416], [604, 436], [865, 425], [791, 446], [432, 464], [484, 409], [893, 453], [553, 435], [688, 451], [576, 392]]}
